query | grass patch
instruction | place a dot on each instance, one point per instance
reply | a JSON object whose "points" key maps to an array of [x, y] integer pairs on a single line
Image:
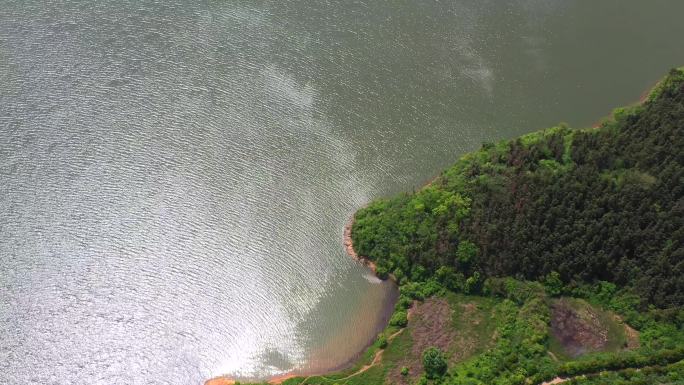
{"points": [[474, 321]]}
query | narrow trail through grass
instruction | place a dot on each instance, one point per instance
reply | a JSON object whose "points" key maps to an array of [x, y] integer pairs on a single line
{"points": [[377, 359], [560, 380]]}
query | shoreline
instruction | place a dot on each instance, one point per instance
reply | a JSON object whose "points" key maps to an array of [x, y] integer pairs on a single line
{"points": [[643, 98], [279, 379], [361, 366], [349, 247]]}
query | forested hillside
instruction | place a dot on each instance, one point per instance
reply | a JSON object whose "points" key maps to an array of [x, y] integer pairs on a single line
{"points": [[556, 257], [595, 205]]}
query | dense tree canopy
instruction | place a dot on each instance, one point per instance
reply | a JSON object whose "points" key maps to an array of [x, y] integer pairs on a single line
{"points": [[601, 204]]}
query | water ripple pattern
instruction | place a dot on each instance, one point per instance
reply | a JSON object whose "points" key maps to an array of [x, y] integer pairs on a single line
{"points": [[175, 175]]}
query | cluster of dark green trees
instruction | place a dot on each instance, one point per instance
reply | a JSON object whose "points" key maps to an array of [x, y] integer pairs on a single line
{"points": [[603, 204], [596, 214]]}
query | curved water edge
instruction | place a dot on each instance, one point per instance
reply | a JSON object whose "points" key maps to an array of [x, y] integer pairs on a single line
{"points": [[349, 247], [176, 174], [387, 310]]}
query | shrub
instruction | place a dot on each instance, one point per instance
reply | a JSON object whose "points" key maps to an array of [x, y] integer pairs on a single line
{"points": [[381, 271], [399, 318], [448, 277], [473, 284], [430, 288], [404, 302], [434, 363], [466, 253], [553, 284], [412, 290], [382, 341]]}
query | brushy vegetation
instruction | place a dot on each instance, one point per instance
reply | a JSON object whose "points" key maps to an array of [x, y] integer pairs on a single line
{"points": [[596, 214], [604, 204], [434, 363], [669, 374]]}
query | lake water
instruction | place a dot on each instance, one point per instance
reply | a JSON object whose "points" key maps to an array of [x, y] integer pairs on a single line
{"points": [[175, 175]]}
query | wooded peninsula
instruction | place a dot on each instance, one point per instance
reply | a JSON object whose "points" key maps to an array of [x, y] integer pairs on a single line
{"points": [[554, 257]]}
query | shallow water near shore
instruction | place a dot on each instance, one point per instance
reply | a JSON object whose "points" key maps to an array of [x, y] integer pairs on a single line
{"points": [[175, 176]]}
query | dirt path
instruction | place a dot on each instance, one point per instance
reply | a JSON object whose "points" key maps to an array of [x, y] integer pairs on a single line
{"points": [[390, 338], [349, 247], [376, 361], [560, 380], [553, 356], [556, 380]]}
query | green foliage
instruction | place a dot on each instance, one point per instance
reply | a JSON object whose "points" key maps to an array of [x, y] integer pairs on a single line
{"points": [[412, 290], [399, 233], [595, 214], [611, 361], [553, 284], [431, 287], [675, 78], [473, 284], [403, 302], [399, 318], [434, 362], [513, 289], [520, 348], [668, 374], [382, 341], [466, 253], [590, 205], [381, 271], [450, 279]]}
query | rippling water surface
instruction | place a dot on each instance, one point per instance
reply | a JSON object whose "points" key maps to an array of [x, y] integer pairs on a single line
{"points": [[175, 176]]}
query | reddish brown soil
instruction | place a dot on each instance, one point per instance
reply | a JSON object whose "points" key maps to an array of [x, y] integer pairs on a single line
{"points": [[229, 381], [577, 333], [430, 325], [631, 335], [433, 326], [555, 381], [349, 247], [220, 381]]}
